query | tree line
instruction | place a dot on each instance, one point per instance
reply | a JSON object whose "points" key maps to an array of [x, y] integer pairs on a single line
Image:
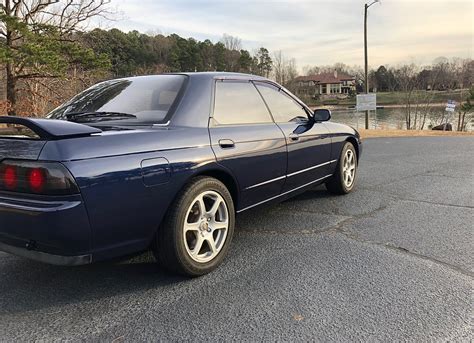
{"points": [[415, 87], [45, 47], [135, 53], [441, 74], [48, 55]]}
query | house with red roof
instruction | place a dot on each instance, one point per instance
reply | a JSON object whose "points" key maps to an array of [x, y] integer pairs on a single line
{"points": [[327, 84]]}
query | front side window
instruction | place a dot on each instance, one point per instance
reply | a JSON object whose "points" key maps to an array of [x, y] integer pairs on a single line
{"points": [[140, 100], [238, 102], [282, 106]]}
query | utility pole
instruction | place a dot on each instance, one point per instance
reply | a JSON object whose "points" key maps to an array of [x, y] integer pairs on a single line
{"points": [[366, 7], [366, 64]]}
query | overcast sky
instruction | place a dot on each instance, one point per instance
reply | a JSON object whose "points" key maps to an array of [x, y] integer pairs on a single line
{"points": [[316, 32]]}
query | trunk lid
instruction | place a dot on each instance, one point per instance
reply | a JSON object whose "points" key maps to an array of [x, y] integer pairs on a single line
{"points": [[24, 149]]}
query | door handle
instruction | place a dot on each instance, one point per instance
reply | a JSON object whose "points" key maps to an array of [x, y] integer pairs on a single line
{"points": [[294, 137], [226, 143]]}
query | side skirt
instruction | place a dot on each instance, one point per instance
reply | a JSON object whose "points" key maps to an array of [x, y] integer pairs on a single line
{"points": [[285, 193]]}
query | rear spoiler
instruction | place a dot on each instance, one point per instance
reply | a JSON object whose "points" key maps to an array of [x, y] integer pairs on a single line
{"points": [[51, 129]]}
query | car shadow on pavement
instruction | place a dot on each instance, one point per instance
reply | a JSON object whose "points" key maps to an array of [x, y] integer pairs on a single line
{"points": [[28, 285], [319, 192]]}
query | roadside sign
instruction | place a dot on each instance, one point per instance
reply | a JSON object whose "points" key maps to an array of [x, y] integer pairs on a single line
{"points": [[366, 102], [450, 106]]}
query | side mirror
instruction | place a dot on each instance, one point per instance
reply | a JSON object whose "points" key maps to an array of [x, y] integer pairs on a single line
{"points": [[321, 115]]}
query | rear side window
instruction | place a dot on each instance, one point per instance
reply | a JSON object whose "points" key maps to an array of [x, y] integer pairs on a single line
{"points": [[238, 102], [283, 107]]}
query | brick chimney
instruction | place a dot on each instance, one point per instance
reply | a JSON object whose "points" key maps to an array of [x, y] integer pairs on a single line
{"points": [[335, 74]]}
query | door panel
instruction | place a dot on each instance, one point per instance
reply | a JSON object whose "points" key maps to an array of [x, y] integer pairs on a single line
{"points": [[309, 143], [309, 151], [257, 159], [247, 142]]}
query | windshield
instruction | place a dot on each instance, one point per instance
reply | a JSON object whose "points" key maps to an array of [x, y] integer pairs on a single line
{"points": [[134, 101]]}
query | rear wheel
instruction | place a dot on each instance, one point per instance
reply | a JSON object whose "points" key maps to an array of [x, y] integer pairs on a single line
{"points": [[197, 231], [343, 180]]}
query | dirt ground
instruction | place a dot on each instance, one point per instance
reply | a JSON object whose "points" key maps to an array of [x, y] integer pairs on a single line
{"points": [[410, 133]]}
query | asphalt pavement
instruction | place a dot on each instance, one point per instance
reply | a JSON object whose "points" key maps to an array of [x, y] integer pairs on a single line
{"points": [[392, 261]]}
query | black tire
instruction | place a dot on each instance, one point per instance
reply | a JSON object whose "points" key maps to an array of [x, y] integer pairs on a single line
{"points": [[170, 249], [336, 184]]}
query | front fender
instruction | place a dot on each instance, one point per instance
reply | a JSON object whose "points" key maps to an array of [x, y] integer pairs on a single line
{"points": [[340, 133]]}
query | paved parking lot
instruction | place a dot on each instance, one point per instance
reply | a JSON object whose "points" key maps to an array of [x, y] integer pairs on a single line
{"points": [[391, 261]]}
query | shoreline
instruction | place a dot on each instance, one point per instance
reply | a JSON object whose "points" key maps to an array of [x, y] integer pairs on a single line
{"points": [[375, 133], [352, 107]]}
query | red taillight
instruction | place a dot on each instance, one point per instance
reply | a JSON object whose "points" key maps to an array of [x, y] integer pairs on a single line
{"points": [[10, 177], [36, 179], [46, 178]]}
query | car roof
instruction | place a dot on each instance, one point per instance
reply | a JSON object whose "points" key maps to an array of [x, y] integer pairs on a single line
{"points": [[205, 76], [196, 105], [221, 75]]}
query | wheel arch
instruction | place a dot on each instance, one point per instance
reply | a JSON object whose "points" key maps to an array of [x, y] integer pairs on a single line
{"points": [[213, 171], [353, 141], [226, 178]]}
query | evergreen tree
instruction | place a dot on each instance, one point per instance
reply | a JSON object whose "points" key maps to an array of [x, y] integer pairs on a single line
{"points": [[38, 42], [264, 63]]}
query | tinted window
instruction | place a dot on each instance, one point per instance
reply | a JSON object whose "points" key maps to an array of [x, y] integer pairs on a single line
{"points": [[148, 99], [239, 103], [282, 106]]}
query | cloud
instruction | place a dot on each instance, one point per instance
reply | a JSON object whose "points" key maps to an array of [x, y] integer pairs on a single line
{"points": [[316, 32]]}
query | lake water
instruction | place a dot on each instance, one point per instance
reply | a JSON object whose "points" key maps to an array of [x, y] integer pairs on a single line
{"points": [[389, 118]]}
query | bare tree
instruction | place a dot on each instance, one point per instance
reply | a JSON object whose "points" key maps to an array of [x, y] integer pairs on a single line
{"points": [[278, 67], [284, 70], [37, 36], [406, 77], [418, 103], [311, 70], [233, 45], [231, 42]]}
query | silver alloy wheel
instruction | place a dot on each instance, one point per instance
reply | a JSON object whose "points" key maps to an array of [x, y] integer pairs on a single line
{"points": [[349, 168], [205, 227]]}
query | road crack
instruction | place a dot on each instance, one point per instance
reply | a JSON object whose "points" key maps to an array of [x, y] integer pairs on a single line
{"points": [[352, 236], [339, 229], [395, 197], [338, 225]]}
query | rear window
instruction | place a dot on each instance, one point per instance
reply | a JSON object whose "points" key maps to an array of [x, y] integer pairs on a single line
{"points": [[147, 99]]}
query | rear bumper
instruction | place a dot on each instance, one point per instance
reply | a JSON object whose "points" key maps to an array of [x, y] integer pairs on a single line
{"points": [[54, 230], [45, 257]]}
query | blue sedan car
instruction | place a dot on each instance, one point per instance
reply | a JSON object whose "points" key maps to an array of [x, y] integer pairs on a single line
{"points": [[162, 162]]}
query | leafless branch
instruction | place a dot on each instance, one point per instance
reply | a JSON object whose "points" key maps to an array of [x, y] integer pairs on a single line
{"points": [[36, 75], [67, 16]]}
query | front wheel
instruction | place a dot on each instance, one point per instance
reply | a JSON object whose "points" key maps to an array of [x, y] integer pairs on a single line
{"points": [[196, 233], [343, 180]]}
